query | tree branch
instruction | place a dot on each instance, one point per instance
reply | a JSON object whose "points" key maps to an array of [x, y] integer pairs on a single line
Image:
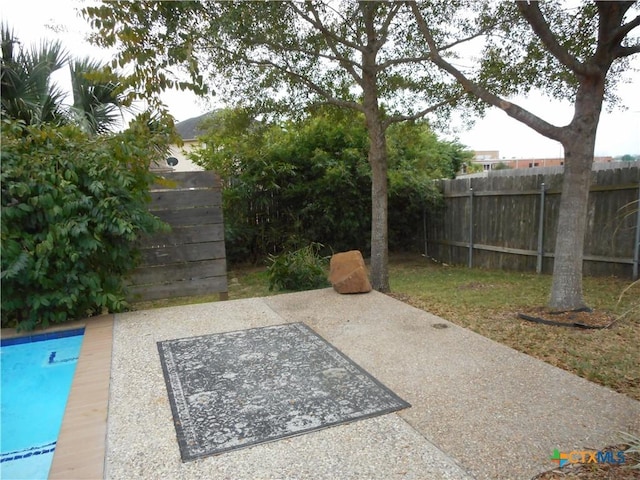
{"points": [[292, 74], [309, 83], [421, 113], [384, 30], [400, 61], [480, 33], [511, 109], [611, 32], [317, 23], [332, 41], [530, 10], [621, 52], [623, 30], [340, 59]]}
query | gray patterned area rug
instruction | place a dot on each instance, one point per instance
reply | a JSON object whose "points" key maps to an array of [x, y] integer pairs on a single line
{"points": [[236, 389]]}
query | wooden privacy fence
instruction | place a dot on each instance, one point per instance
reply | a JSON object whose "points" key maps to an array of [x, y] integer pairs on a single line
{"points": [[510, 221], [190, 259]]}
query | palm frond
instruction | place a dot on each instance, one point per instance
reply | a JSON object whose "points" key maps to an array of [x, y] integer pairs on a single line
{"points": [[97, 101], [28, 93]]}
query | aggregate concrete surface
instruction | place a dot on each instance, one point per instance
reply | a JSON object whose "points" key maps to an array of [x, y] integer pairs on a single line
{"points": [[479, 409]]}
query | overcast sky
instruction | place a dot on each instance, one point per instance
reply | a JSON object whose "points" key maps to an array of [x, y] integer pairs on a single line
{"points": [[618, 133]]}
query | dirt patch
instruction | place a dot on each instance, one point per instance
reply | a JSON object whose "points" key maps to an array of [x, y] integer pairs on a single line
{"points": [[475, 286], [400, 296]]}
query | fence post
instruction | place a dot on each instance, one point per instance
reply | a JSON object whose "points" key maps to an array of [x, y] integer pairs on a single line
{"points": [[636, 247], [541, 231], [470, 227], [424, 228]]}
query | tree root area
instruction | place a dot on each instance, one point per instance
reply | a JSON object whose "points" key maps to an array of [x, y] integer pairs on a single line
{"points": [[587, 319]]}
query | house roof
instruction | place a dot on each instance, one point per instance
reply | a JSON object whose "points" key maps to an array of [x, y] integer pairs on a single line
{"points": [[189, 129]]}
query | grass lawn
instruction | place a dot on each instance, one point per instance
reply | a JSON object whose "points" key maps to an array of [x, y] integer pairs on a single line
{"points": [[487, 302]]}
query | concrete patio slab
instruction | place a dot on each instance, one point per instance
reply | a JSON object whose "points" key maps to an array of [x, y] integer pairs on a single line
{"points": [[479, 409]]}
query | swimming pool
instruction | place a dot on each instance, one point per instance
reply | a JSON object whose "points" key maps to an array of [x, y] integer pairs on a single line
{"points": [[37, 372]]}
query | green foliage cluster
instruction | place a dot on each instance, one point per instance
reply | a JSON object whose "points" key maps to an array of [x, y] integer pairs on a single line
{"points": [[301, 269], [73, 207], [416, 158], [293, 183]]}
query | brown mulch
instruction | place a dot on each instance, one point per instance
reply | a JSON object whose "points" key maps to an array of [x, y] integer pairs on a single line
{"points": [[577, 319], [595, 471]]}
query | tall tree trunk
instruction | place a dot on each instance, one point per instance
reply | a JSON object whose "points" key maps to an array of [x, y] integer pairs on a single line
{"points": [[566, 289], [377, 153], [379, 206], [579, 146]]}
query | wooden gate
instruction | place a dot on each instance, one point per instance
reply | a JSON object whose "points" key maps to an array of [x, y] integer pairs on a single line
{"points": [[190, 259]]}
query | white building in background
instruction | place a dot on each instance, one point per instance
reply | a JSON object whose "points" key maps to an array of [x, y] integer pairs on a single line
{"points": [[490, 159], [486, 158], [177, 160]]}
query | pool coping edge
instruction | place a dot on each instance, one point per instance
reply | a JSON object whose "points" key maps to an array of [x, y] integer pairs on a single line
{"points": [[81, 447]]}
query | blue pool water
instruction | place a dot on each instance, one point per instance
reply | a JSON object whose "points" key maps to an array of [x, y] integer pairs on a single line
{"points": [[37, 373]]}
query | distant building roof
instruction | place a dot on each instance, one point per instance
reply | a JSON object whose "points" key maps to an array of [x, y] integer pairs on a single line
{"points": [[480, 155], [189, 129]]}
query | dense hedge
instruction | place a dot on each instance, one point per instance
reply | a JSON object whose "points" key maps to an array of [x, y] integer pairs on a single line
{"points": [[72, 210], [309, 181]]}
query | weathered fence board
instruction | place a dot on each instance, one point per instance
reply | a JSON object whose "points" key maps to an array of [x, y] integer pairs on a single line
{"points": [[497, 222], [188, 252], [189, 216], [181, 271], [190, 259], [196, 179], [202, 286], [177, 200], [190, 234]]}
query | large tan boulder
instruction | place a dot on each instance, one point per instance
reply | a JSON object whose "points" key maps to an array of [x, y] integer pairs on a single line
{"points": [[348, 273]]}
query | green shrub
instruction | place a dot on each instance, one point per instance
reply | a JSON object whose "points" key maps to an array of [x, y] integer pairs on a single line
{"points": [[311, 179], [72, 209], [302, 269]]}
